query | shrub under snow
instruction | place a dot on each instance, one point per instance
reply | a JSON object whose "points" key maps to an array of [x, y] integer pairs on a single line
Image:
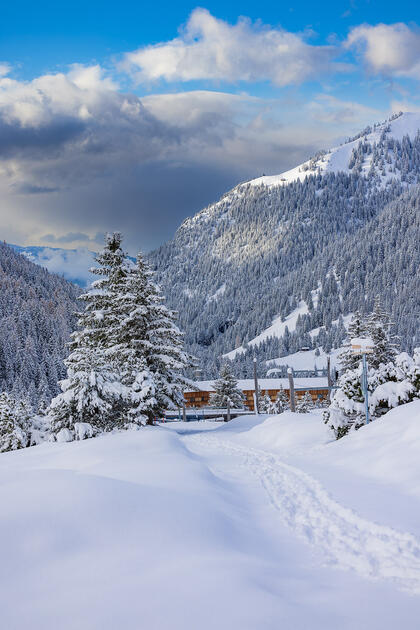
{"points": [[394, 383]]}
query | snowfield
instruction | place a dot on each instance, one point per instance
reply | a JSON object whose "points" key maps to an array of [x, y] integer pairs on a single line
{"points": [[262, 523]]}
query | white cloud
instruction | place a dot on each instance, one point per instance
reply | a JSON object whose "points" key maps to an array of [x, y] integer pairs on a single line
{"points": [[4, 69], [328, 109], [35, 103], [391, 50], [211, 49], [79, 156]]}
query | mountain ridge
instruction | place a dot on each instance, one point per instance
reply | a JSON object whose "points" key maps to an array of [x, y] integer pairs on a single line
{"points": [[259, 251]]}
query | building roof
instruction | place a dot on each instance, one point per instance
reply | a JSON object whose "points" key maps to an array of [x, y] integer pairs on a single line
{"points": [[247, 384]]}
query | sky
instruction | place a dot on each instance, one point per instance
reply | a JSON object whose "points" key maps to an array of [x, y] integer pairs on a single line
{"points": [[132, 116]]}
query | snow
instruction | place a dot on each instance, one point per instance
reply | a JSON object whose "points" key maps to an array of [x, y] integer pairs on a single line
{"points": [[277, 329], [305, 360], [264, 522], [220, 291], [337, 159]]}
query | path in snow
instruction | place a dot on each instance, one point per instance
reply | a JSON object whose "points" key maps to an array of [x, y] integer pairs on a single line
{"points": [[345, 539]]}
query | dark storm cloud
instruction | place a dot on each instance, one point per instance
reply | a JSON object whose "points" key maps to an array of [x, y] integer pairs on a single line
{"points": [[78, 158], [16, 140]]}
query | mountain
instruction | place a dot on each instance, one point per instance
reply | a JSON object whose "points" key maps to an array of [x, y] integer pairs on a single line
{"points": [[314, 243], [36, 317], [280, 262]]}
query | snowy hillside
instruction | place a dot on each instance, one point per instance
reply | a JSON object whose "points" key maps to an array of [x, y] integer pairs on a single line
{"points": [[305, 360], [36, 318], [343, 226], [261, 522], [301, 250], [339, 159]]}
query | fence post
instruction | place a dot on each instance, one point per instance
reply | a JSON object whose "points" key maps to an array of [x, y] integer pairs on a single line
{"points": [[257, 410], [329, 377]]}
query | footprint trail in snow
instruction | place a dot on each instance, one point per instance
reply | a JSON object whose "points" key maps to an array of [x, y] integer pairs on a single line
{"points": [[346, 540]]}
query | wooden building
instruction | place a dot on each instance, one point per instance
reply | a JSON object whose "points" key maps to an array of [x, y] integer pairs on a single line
{"points": [[316, 386]]}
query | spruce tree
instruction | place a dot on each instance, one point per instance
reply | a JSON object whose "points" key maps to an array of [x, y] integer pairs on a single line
{"points": [[379, 330], [14, 423], [357, 328], [93, 392], [226, 391], [127, 359], [282, 402], [266, 406], [151, 345], [305, 404]]}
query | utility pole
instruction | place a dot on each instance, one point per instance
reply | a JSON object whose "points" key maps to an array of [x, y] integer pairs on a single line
{"points": [[363, 346], [291, 389], [256, 404], [365, 387], [329, 377]]}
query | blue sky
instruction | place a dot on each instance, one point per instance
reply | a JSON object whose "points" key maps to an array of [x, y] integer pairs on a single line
{"points": [[132, 116]]}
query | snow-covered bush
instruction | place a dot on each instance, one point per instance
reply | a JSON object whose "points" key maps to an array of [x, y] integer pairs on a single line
{"points": [[394, 383], [15, 426]]}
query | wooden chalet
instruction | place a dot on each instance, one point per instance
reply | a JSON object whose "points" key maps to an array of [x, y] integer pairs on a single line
{"points": [[316, 386]]}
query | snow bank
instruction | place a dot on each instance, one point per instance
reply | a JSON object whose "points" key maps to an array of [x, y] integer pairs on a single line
{"points": [[288, 432], [386, 449], [128, 531]]}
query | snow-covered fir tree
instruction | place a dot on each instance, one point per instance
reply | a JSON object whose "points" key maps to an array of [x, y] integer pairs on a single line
{"points": [[226, 391], [394, 383], [282, 402], [305, 403], [15, 428], [92, 392], [357, 329], [378, 328], [126, 356], [266, 406], [152, 346]]}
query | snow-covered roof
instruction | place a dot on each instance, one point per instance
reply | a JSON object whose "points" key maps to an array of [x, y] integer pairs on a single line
{"points": [[247, 384]]}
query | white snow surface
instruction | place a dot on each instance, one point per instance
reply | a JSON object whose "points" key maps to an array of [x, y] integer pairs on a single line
{"points": [[277, 329], [260, 523], [305, 360]]}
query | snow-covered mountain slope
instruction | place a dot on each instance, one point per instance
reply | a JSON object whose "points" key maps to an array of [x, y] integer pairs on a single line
{"points": [[339, 159], [347, 227], [305, 360], [344, 224], [36, 318]]}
